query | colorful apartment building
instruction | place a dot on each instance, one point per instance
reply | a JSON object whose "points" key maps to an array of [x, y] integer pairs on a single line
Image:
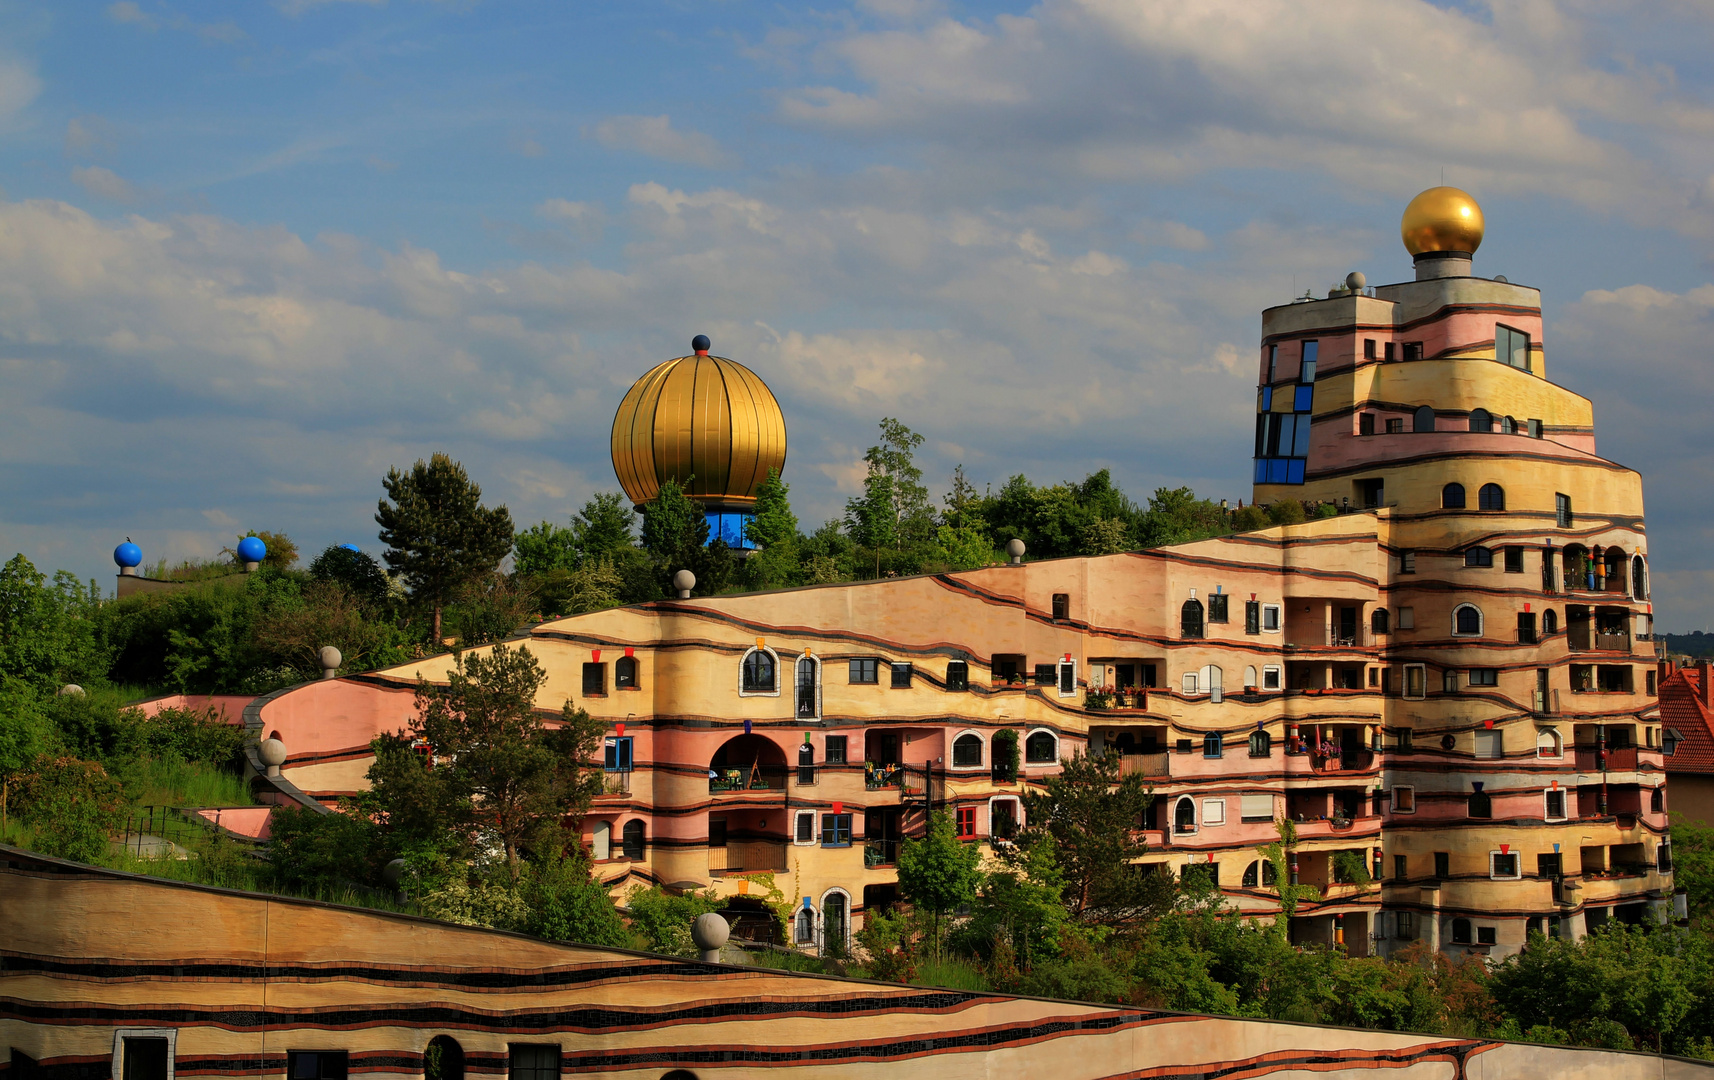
{"points": [[1445, 684]]}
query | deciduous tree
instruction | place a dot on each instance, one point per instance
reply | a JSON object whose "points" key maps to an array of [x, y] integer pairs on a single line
{"points": [[939, 873]]}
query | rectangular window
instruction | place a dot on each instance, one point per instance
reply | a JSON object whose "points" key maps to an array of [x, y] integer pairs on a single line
{"points": [[1217, 605], [836, 830], [1395, 425], [1306, 372], [1503, 865], [966, 823], [315, 1064], [1648, 680], [1413, 350], [531, 1062], [836, 749], [1270, 618], [1407, 562], [1387, 350], [1484, 676], [1491, 744], [866, 672], [1190, 682], [1407, 618], [1271, 678], [901, 675], [1535, 429], [1047, 674], [1416, 679], [1555, 804], [1256, 807], [1366, 423], [958, 675], [1214, 811], [1562, 510], [1512, 347], [805, 829], [1368, 348], [1061, 606], [1404, 800], [1485, 935], [1273, 361], [1443, 864], [618, 753], [144, 1057], [1401, 868], [1303, 401], [1067, 678], [594, 680], [1184, 746], [1514, 559], [1252, 617]]}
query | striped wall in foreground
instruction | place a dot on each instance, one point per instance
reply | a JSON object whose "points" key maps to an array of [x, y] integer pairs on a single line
{"points": [[239, 981]]}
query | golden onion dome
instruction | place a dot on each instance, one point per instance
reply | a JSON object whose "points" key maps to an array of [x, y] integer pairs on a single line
{"points": [[706, 421], [1442, 219]]}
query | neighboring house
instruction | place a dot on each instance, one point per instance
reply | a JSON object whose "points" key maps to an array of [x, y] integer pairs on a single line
{"points": [[1687, 717]]}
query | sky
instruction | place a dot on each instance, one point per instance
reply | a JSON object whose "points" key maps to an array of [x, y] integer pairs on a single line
{"points": [[254, 255]]}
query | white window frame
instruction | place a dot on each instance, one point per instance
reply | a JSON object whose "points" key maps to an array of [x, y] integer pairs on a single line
{"points": [[1404, 686], [1212, 680], [1030, 734], [1273, 805], [1017, 813], [952, 757], [816, 660], [821, 918], [1274, 671], [1485, 735], [1564, 805], [169, 1034], [1481, 621], [814, 828], [1553, 737], [1213, 812], [1190, 683], [1172, 822], [1272, 611], [1250, 682], [814, 925], [1395, 803], [1517, 861], [778, 674], [1059, 677]]}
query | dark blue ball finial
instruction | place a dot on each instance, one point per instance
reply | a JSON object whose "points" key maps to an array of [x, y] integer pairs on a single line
{"points": [[700, 343], [127, 555]]}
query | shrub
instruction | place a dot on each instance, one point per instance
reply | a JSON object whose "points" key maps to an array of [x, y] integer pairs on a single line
{"points": [[73, 806], [308, 848]]}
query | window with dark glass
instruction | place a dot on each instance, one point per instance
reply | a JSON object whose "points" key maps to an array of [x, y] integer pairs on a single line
{"points": [[1491, 497], [1387, 349], [1261, 744], [1217, 607], [1413, 350], [865, 671], [967, 751], [1481, 806], [625, 673], [1467, 620], [901, 675], [314, 1064], [1452, 497], [806, 764], [594, 679], [1514, 559], [1190, 619], [1556, 803], [836, 830], [1380, 621], [1562, 510], [1461, 931], [760, 676], [808, 702], [1550, 621], [1526, 628], [1366, 423], [634, 839], [1311, 350], [144, 1058], [1423, 420], [1061, 606], [1003, 819], [1041, 748], [531, 1062], [1212, 746], [1478, 556], [805, 832], [1443, 864], [617, 753], [1252, 616], [835, 751], [1273, 361], [1407, 562], [1512, 347], [1395, 425], [1485, 935], [957, 675], [1067, 678], [1484, 677], [1481, 420], [1047, 674], [1368, 348], [1535, 429]]}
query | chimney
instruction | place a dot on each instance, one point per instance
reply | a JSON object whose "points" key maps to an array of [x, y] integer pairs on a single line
{"points": [[1707, 690]]}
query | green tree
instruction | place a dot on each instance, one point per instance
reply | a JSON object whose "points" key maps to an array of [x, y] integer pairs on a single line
{"points": [[871, 518], [1019, 905], [938, 873], [567, 901], [543, 548], [358, 571], [894, 510], [282, 549], [293, 634], [603, 527], [1177, 516], [963, 504], [965, 547], [73, 806], [1278, 857], [1693, 864], [1093, 814], [774, 524], [47, 634], [518, 777], [674, 526], [438, 534]]}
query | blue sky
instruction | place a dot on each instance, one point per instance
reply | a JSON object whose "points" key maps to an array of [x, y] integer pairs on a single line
{"points": [[253, 255]]}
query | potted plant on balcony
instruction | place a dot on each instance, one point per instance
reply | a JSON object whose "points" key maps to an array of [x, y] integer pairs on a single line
{"points": [[1097, 701], [1326, 754]]}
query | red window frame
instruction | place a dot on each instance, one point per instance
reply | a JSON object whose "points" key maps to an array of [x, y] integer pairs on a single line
{"points": [[966, 822]]}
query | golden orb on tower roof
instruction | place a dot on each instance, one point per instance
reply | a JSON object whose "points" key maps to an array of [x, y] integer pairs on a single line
{"points": [[1442, 219], [708, 422]]}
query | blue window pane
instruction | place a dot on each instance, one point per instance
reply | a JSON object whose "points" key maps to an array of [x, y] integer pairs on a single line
{"points": [[1300, 440], [1304, 400], [1276, 470], [1261, 470], [1294, 471], [728, 526], [1267, 398], [1311, 349]]}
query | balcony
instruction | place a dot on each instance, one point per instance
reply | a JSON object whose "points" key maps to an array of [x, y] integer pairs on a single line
{"points": [[1150, 766], [880, 853], [746, 857], [1618, 760], [731, 780]]}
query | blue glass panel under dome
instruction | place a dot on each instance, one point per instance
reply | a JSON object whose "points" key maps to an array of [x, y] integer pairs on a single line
{"points": [[728, 525]]}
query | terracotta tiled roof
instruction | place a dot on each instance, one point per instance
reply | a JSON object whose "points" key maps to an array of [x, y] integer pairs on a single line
{"points": [[1685, 717]]}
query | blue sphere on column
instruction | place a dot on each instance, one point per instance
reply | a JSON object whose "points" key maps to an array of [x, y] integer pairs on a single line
{"points": [[128, 555], [251, 549]]}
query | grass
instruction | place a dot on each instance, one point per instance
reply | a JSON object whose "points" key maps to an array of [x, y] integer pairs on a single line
{"points": [[172, 781], [952, 973]]}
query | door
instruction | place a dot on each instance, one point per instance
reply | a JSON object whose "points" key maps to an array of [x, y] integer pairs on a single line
{"points": [[145, 1059], [834, 919], [1350, 747], [886, 748], [1347, 626], [602, 842]]}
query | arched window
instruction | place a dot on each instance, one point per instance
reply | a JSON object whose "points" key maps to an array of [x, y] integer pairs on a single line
{"points": [[1452, 497], [1190, 618], [1491, 497], [634, 839], [1380, 621], [803, 932], [1041, 748], [1508, 425], [1547, 744], [1478, 556], [967, 751], [1212, 745], [1481, 806], [1657, 800], [835, 922], [807, 686], [1481, 420], [1550, 621], [1184, 816], [444, 1060], [1467, 619], [1424, 420], [761, 673], [625, 673], [1252, 875], [1250, 677], [1639, 579], [1261, 744], [1212, 683]]}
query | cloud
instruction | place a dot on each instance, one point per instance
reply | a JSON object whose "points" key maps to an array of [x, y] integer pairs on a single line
{"points": [[104, 183], [89, 136], [130, 13], [655, 137]]}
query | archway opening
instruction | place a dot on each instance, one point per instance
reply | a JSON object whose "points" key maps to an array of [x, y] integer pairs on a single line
{"points": [[748, 763]]}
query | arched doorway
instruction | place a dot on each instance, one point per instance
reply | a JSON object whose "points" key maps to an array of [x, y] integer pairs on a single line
{"points": [[835, 923], [748, 763], [444, 1059]]}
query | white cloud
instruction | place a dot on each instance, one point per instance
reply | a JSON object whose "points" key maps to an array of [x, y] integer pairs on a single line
{"points": [[129, 12], [104, 183], [656, 137]]}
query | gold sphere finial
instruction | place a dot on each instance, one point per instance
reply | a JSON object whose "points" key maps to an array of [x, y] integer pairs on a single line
{"points": [[1442, 219]]}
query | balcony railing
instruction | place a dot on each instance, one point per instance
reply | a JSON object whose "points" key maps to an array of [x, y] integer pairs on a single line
{"points": [[880, 852], [1620, 642], [747, 780], [1152, 766], [1618, 760], [876, 777]]}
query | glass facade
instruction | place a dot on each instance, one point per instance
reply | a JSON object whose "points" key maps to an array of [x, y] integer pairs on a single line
{"points": [[728, 525]]}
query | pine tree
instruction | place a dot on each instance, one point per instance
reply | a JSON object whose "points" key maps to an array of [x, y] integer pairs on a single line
{"points": [[674, 525], [438, 534], [774, 525]]}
